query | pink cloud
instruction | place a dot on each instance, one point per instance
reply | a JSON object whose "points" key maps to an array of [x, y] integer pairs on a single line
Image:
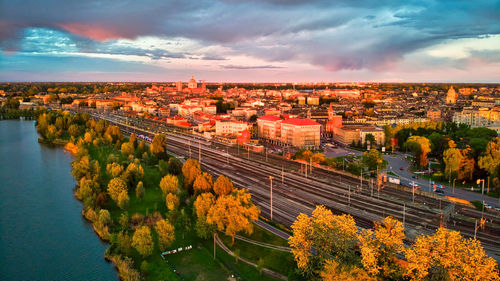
{"points": [[92, 31]]}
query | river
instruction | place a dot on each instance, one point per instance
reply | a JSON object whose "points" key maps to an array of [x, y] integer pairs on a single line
{"points": [[42, 233]]}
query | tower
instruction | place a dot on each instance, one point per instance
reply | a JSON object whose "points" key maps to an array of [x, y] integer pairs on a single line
{"points": [[330, 113], [192, 83]]}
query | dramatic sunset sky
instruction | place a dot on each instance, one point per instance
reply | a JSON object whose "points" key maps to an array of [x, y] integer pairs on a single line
{"points": [[250, 41]]}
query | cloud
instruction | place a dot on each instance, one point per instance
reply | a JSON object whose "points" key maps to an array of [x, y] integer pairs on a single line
{"points": [[350, 35], [250, 66]]}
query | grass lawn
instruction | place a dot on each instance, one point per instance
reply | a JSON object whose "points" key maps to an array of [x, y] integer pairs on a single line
{"points": [[278, 261]]}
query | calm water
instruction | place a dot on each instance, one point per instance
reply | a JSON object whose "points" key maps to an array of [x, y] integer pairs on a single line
{"points": [[42, 234]]}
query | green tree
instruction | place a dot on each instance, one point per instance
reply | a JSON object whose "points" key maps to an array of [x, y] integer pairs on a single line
{"points": [[142, 241], [420, 147], [104, 217], [452, 158], [373, 159], [174, 166], [123, 200]]}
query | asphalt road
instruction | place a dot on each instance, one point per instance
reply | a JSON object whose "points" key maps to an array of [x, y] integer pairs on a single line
{"points": [[398, 161]]}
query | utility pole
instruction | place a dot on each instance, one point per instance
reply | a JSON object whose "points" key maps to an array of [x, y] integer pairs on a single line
{"points": [[361, 181], [413, 191], [371, 183], [310, 166], [282, 175], [475, 230], [404, 210], [349, 196], [248, 149], [305, 166], [271, 194], [266, 153], [199, 151], [456, 179], [227, 154]]}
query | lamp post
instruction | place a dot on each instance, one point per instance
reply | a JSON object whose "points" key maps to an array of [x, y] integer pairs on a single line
{"points": [[482, 190], [454, 185], [271, 194]]}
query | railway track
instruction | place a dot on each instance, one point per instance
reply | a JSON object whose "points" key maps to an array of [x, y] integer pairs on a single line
{"points": [[299, 194]]}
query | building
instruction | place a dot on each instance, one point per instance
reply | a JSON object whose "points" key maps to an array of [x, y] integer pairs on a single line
{"points": [[269, 127], [230, 128], [434, 114], [482, 117], [313, 100], [334, 121], [357, 133], [192, 83], [451, 96], [178, 86], [301, 133]]}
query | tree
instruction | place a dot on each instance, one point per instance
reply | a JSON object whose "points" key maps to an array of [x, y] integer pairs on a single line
{"points": [[163, 167], [203, 183], [380, 246], [333, 271], [223, 186], [183, 222], [174, 166], [114, 169], [172, 201], [236, 256], [328, 233], [142, 241], [123, 200], [318, 158], [447, 253], [389, 134], [159, 145], [123, 220], [133, 174], [370, 138], [234, 213], [124, 243], [420, 147], [253, 118], [139, 190], [203, 203], [491, 159], [104, 217], [191, 169], [466, 169], [166, 233], [452, 158], [127, 148], [373, 159], [74, 130], [169, 184], [116, 105], [115, 187]]}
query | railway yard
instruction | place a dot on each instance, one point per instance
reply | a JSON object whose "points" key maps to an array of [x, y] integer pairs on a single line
{"points": [[293, 192]]}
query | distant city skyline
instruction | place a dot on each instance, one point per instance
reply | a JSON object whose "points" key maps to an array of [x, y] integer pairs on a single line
{"points": [[250, 41]]}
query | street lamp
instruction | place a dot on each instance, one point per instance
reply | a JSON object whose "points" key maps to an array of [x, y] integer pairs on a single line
{"points": [[271, 194], [482, 190]]}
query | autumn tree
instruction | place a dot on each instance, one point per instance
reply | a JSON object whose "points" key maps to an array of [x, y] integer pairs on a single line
{"points": [[203, 183], [490, 161], [159, 145], [223, 186], [115, 187], [104, 217], [191, 169], [172, 201], [329, 234], [318, 158], [380, 246], [142, 241], [234, 213], [420, 147], [127, 148], [166, 234], [139, 190], [202, 205], [446, 253], [114, 169], [333, 271], [133, 174], [169, 184], [452, 158], [467, 165], [123, 200]]}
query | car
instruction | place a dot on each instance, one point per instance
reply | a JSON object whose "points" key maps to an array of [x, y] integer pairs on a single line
{"points": [[488, 206], [439, 191], [401, 168]]}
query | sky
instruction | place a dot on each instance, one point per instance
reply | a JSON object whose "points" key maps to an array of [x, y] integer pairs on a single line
{"points": [[250, 41]]}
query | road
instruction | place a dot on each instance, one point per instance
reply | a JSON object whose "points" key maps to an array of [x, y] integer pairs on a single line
{"points": [[398, 161]]}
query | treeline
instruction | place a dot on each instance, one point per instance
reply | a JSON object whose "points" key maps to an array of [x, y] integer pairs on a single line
{"points": [[10, 110], [167, 199], [30, 89], [464, 153], [342, 252]]}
